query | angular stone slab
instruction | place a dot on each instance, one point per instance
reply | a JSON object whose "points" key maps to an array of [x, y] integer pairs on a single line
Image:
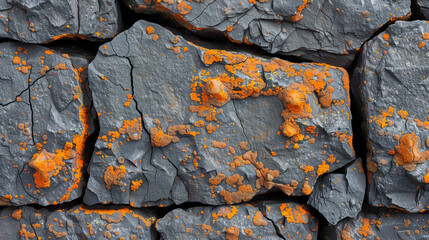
{"points": [[423, 8], [77, 223], [181, 123], [391, 83], [45, 121], [383, 225], [267, 220], [322, 31], [45, 21], [340, 195]]}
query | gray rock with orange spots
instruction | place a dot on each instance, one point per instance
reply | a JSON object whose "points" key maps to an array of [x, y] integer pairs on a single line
{"points": [[340, 195], [390, 84], [322, 31], [45, 21], [380, 225], [423, 8], [265, 220], [77, 223], [45, 113], [181, 123]]}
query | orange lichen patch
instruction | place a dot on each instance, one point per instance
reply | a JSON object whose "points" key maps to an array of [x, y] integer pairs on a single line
{"points": [[17, 214], [408, 152], [150, 30], [291, 129], [217, 144], [425, 36], [158, 138], [381, 119], [232, 233], [322, 168], [61, 66], [424, 124], [132, 128], [210, 128], [113, 176], [306, 189], [295, 100], [298, 14], [365, 230], [214, 55], [248, 232], [216, 180], [422, 44], [345, 233], [199, 123], [48, 52], [385, 37], [116, 216], [16, 60], [403, 114], [207, 228], [57, 234], [217, 92], [227, 212], [235, 179], [26, 234], [331, 159], [48, 164], [128, 102], [183, 8], [136, 184], [244, 193], [426, 176], [307, 168], [258, 219], [299, 214]]}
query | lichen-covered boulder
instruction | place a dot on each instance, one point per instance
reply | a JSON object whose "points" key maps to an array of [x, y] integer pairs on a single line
{"points": [[49, 20], [78, 223], [340, 195], [266, 220], [45, 121], [182, 123], [317, 30], [392, 225], [391, 83]]}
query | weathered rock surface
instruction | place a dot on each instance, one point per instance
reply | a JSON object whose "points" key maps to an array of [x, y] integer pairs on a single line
{"points": [[340, 195], [383, 225], [266, 220], [423, 8], [49, 20], [391, 82], [45, 121], [317, 30], [181, 123], [77, 223]]}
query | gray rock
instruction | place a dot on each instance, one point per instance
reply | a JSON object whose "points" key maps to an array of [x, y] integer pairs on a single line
{"points": [[49, 20], [268, 220], [77, 223], [382, 225], [340, 195], [423, 8], [46, 120], [178, 124], [317, 30], [390, 83]]}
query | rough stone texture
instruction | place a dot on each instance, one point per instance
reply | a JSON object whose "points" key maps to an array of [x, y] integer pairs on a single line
{"points": [[77, 223], [318, 30], [267, 220], [383, 225], [340, 195], [206, 136], [423, 8], [45, 121], [391, 83], [49, 20]]}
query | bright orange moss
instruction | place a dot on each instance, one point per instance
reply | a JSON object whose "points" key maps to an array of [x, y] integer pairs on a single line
{"points": [[113, 176], [408, 152]]}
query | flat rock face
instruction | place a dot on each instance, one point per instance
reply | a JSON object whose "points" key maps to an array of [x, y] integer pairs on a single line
{"points": [[340, 195], [45, 121], [49, 20], [77, 223], [267, 220], [181, 123], [423, 7], [318, 30], [391, 84], [383, 225]]}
